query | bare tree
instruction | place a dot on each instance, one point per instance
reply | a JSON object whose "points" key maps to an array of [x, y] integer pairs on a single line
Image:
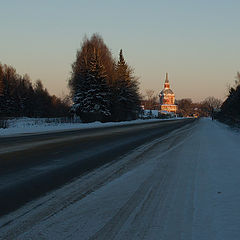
{"points": [[185, 107], [151, 100], [213, 103]]}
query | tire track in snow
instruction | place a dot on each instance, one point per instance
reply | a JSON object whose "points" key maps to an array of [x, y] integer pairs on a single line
{"points": [[139, 210], [52, 204]]}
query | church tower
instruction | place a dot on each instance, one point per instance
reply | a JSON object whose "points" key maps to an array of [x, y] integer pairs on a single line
{"points": [[167, 98], [166, 84]]}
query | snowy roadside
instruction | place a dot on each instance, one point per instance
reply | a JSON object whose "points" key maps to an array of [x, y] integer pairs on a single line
{"points": [[183, 186], [40, 125]]}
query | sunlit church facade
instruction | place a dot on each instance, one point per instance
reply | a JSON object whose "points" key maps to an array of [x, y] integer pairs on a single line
{"points": [[167, 98]]}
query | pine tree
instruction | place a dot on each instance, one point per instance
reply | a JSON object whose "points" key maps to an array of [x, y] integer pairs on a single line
{"points": [[27, 97], [78, 84], [127, 100], [1, 91], [96, 104], [90, 80], [10, 86], [230, 109], [1, 81]]}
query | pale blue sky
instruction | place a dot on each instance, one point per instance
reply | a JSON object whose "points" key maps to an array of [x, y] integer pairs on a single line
{"points": [[196, 42]]}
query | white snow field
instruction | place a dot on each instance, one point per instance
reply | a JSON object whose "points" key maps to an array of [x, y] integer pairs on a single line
{"points": [[41, 125], [183, 186]]}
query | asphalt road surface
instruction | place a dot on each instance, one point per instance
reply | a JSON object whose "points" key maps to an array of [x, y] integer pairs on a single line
{"points": [[183, 185], [34, 164]]}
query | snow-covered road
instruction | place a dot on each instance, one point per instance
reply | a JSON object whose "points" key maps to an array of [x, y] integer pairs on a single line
{"points": [[182, 186]]}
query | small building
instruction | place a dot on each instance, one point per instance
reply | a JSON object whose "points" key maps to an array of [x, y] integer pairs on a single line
{"points": [[167, 98]]}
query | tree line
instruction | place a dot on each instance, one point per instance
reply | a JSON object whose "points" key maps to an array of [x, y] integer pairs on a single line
{"points": [[205, 108], [19, 97], [102, 88], [230, 109]]}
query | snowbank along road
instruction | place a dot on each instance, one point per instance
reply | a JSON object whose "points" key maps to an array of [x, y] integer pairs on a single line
{"points": [[183, 185]]}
